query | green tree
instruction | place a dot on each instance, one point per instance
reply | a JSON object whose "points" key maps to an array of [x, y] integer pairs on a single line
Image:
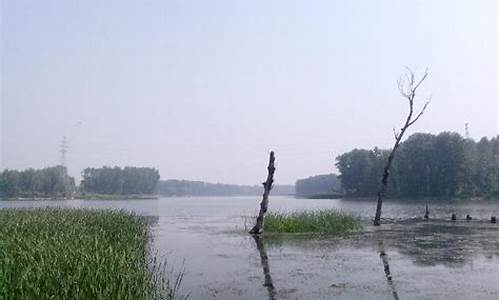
{"points": [[355, 169], [9, 183], [51, 181], [444, 166], [317, 185], [415, 165], [126, 181]]}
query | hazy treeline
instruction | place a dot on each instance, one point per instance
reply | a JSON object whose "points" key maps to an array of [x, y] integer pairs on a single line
{"points": [[51, 181], [426, 165], [55, 182], [118, 181], [318, 185], [175, 187]]}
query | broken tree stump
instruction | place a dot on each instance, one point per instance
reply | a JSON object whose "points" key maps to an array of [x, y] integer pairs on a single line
{"points": [[268, 185]]}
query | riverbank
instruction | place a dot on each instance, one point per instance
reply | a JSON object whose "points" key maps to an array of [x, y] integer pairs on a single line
{"points": [[114, 197], [415, 200], [82, 197], [78, 254]]}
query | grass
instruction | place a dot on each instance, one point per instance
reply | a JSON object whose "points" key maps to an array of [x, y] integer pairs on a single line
{"points": [[320, 221], [78, 254]]}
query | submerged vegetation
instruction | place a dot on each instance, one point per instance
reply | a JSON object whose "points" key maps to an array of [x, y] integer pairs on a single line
{"points": [[78, 254], [321, 221]]}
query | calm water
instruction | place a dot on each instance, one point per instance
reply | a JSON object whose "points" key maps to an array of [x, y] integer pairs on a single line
{"points": [[403, 259]]}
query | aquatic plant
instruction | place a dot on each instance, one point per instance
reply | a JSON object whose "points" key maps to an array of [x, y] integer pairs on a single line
{"points": [[319, 221], [79, 254]]}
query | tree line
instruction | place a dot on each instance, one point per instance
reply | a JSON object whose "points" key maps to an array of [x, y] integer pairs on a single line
{"points": [[174, 187], [118, 181], [318, 185], [445, 165], [51, 181], [55, 182]]}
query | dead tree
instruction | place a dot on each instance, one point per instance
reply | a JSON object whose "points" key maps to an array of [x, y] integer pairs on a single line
{"points": [[407, 86], [268, 185], [264, 261]]}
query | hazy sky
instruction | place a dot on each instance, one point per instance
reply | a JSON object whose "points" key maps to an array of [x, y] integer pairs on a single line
{"points": [[203, 90]]}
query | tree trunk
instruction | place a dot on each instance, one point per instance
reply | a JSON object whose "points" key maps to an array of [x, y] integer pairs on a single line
{"points": [[383, 183], [268, 185], [407, 90]]}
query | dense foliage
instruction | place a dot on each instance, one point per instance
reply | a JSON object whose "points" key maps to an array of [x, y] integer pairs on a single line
{"points": [[318, 185], [361, 170], [426, 165], [51, 181], [118, 181], [175, 187], [77, 254], [321, 221]]}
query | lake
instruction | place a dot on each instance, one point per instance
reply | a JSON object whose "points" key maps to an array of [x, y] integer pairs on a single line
{"points": [[405, 258]]}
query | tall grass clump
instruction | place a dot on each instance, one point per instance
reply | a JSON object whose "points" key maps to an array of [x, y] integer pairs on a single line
{"points": [[320, 221], [78, 254]]}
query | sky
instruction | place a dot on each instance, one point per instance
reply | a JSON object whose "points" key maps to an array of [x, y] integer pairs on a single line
{"points": [[203, 90]]}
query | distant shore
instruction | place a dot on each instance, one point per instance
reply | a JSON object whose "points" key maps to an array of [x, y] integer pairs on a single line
{"points": [[331, 196], [321, 196], [415, 199], [82, 197]]}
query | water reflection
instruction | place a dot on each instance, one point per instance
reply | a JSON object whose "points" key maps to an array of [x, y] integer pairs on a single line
{"points": [[208, 234], [429, 243], [452, 245], [264, 261], [385, 261]]}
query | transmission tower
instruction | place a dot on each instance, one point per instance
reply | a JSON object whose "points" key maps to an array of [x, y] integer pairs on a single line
{"points": [[63, 149], [467, 130]]}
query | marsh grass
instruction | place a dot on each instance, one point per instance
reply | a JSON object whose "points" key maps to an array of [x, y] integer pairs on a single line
{"points": [[79, 254], [320, 221]]}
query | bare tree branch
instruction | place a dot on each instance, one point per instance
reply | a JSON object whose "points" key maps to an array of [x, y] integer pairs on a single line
{"points": [[395, 133], [401, 88], [410, 76], [426, 73], [420, 114], [407, 86]]}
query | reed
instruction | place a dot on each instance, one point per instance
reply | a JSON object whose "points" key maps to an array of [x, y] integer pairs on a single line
{"points": [[319, 221], [79, 254]]}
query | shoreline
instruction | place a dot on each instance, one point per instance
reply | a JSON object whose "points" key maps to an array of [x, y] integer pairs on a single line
{"points": [[84, 197]]}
